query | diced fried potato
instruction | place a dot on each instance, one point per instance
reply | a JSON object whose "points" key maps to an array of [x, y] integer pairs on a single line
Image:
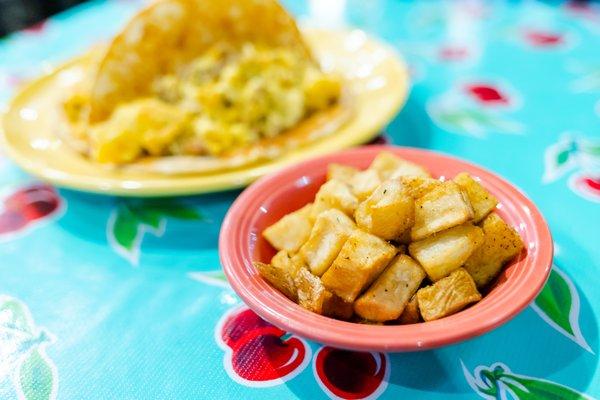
{"points": [[501, 244], [360, 261], [388, 295], [330, 231], [279, 278], [417, 186], [334, 194], [364, 183], [388, 212], [313, 296], [291, 231], [446, 251], [481, 200], [388, 165], [285, 262], [336, 307], [411, 314], [340, 172], [441, 208], [447, 296]]}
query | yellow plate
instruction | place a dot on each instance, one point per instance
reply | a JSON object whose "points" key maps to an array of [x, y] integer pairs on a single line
{"points": [[378, 78]]}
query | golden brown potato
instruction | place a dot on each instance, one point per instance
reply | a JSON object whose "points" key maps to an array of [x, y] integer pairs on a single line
{"points": [[340, 172], [334, 194], [388, 165], [388, 295], [388, 212], [411, 314], [330, 231], [481, 200], [313, 296], [417, 186], [285, 262], [291, 231], [364, 183], [279, 278], [445, 251], [448, 295], [360, 261], [500, 245], [441, 208]]}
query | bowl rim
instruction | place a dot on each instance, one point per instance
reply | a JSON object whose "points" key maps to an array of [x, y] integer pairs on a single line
{"points": [[271, 305]]}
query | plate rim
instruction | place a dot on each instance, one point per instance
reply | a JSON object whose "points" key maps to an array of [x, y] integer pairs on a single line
{"points": [[199, 183]]}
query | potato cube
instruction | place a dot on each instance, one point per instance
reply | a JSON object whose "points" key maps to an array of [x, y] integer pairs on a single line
{"points": [[411, 314], [364, 183], [501, 243], [286, 262], [291, 231], [388, 295], [446, 251], [447, 296], [481, 200], [279, 278], [441, 208], [313, 296], [331, 229], [334, 194], [388, 212], [388, 165], [417, 186], [340, 172], [360, 261]]}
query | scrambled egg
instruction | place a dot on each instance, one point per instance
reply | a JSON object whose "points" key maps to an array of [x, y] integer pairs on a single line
{"points": [[225, 99]]}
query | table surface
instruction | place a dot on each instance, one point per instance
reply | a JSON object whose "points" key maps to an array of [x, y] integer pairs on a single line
{"points": [[104, 297]]}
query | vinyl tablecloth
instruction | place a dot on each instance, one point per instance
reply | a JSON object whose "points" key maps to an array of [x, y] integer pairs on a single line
{"points": [[111, 298]]}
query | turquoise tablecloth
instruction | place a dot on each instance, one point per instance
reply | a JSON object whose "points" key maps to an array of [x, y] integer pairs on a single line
{"points": [[105, 298]]}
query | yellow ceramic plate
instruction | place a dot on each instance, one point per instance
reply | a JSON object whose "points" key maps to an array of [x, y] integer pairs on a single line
{"points": [[377, 76]]}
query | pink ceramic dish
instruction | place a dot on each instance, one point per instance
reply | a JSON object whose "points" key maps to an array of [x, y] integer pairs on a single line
{"points": [[275, 195]]}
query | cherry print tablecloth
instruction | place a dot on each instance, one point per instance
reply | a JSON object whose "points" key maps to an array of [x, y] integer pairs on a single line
{"points": [[105, 298]]}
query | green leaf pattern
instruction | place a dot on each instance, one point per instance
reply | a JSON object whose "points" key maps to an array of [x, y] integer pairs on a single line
{"points": [[36, 377], [477, 122], [499, 382], [568, 154], [131, 220], [559, 159], [22, 350], [558, 305], [451, 112]]}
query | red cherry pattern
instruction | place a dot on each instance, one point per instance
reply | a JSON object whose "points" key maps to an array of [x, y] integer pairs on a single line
{"points": [[237, 325], [351, 374], [27, 206], [257, 352], [583, 9], [543, 38], [587, 185], [37, 28], [486, 94]]}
